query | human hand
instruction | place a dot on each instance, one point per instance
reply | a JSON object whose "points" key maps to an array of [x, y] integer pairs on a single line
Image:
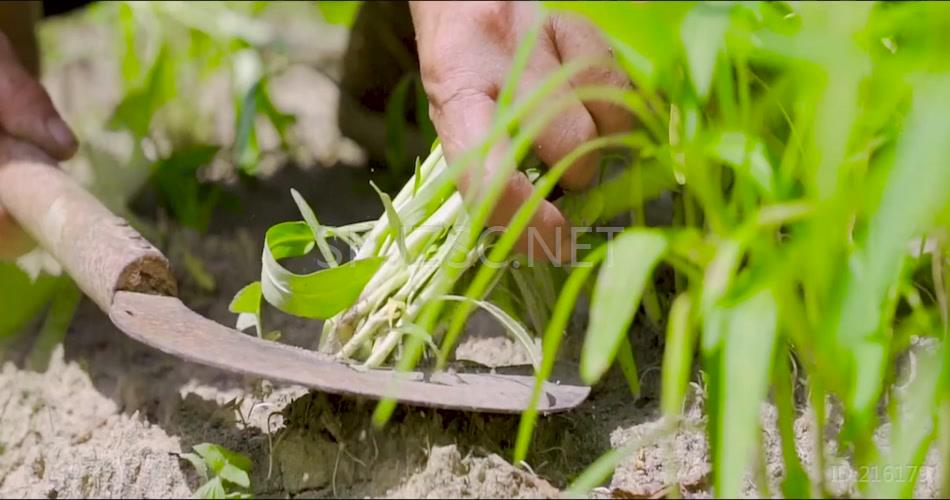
{"points": [[26, 114], [466, 50]]}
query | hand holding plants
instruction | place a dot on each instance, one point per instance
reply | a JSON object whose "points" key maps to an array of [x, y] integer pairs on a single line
{"points": [[466, 50]]}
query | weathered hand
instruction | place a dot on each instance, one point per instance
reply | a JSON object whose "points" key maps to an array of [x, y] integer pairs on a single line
{"points": [[26, 114], [465, 52]]}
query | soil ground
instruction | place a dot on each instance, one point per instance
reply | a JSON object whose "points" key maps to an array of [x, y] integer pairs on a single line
{"points": [[109, 416]]}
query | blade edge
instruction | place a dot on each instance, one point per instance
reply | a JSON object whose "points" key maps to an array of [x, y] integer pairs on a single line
{"points": [[166, 324]]}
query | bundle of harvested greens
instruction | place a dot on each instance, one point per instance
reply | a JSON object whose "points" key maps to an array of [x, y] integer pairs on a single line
{"points": [[370, 302]]}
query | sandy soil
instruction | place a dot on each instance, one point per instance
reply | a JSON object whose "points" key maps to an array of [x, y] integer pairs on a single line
{"points": [[109, 416]]}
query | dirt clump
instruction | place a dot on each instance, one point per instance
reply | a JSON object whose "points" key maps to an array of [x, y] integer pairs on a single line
{"points": [[447, 474]]}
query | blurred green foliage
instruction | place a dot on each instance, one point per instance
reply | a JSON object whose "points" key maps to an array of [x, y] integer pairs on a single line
{"points": [[190, 43], [339, 12], [165, 52], [808, 147], [21, 307], [809, 142]]}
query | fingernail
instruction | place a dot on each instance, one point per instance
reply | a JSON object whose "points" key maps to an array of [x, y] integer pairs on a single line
{"points": [[61, 134]]}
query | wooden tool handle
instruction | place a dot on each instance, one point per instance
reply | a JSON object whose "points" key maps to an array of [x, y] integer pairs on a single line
{"points": [[99, 250]]}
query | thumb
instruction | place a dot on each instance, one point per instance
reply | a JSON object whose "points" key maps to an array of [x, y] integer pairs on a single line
{"points": [[26, 110]]}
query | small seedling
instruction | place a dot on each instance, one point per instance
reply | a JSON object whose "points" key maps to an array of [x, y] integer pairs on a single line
{"points": [[224, 473]]}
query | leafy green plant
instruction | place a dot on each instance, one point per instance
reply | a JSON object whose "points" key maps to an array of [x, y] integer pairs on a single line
{"points": [[804, 146], [795, 169], [175, 181], [339, 12], [371, 302], [158, 107], [224, 473]]}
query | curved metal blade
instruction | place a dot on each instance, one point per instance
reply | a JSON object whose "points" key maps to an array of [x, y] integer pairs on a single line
{"points": [[165, 323]]}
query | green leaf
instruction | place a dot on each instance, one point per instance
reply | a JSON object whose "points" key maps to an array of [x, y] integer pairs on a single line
{"points": [[612, 197], [175, 178], [236, 459], [212, 456], [213, 489], [318, 295], [655, 40], [136, 110], [747, 156], [943, 432], [630, 260], [506, 243], [640, 68], [289, 239], [133, 113], [200, 466], [232, 474], [282, 121], [247, 304], [311, 219], [66, 299], [796, 483], [534, 305], [912, 433], [131, 66], [553, 335], [747, 355], [247, 300], [395, 117], [628, 365], [342, 13], [716, 281], [677, 355], [915, 191], [426, 128], [198, 272], [246, 149], [219, 459], [529, 38], [23, 299], [396, 227], [417, 177], [703, 32]]}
